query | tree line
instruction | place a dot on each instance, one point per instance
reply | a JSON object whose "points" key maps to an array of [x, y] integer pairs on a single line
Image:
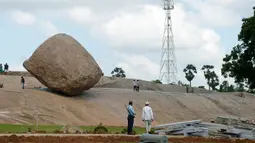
{"points": [[239, 64]]}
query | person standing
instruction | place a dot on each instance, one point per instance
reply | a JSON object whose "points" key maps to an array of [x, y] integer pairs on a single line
{"points": [[137, 85], [147, 117], [134, 85], [130, 118], [22, 82], [6, 68], [1, 68]]}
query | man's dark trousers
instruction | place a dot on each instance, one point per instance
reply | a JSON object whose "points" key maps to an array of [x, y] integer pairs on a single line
{"points": [[130, 124]]}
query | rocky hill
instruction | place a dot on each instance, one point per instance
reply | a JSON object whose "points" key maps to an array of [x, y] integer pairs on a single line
{"points": [[105, 103]]}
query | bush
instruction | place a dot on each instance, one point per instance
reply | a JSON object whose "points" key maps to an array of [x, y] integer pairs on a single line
{"points": [[100, 129], [203, 87], [157, 81], [40, 132], [58, 132], [152, 131], [124, 131]]}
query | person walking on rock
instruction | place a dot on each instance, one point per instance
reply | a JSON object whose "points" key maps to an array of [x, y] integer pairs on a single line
{"points": [[22, 82], [147, 117], [130, 118]]}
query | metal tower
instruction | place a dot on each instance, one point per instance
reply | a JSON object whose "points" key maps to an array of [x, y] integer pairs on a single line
{"points": [[168, 67]]}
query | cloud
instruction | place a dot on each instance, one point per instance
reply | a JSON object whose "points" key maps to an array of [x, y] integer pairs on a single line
{"points": [[218, 13], [47, 28], [134, 29], [133, 34], [138, 66], [80, 14], [52, 5], [129, 30], [27, 19], [23, 18]]}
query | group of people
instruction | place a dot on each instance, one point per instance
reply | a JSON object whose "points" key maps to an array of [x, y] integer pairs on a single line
{"points": [[147, 117], [4, 69], [136, 85]]}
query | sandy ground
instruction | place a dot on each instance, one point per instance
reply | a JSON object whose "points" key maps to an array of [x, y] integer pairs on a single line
{"points": [[105, 139], [106, 104]]}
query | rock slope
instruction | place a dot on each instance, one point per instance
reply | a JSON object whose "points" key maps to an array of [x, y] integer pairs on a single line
{"points": [[106, 105]]}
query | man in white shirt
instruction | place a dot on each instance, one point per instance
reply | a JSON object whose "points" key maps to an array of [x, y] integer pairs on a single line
{"points": [[147, 116], [134, 85], [137, 85]]}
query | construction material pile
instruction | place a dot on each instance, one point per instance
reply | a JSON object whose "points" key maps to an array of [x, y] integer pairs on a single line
{"points": [[223, 127]]}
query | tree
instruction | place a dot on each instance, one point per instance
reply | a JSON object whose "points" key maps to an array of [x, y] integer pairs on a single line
{"points": [[207, 73], [240, 87], [118, 72], [157, 81], [231, 88], [240, 63], [201, 86], [189, 72], [224, 86], [214, 80]]}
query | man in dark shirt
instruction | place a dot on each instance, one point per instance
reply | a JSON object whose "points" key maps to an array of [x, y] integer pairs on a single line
{"points": [[6, 68], [23, 82], [131, 116]]}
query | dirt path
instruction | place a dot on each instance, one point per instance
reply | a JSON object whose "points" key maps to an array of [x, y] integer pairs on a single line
{"points": [[63, 138]]}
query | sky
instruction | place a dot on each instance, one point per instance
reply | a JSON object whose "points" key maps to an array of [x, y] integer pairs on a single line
{"points": [[127, 34]]}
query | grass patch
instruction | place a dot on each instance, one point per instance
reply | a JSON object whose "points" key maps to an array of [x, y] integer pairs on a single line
{"points": [[111, 129], [14, 128]]}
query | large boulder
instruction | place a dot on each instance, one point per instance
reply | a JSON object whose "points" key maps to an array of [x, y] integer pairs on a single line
{"points": [[62, 64]]}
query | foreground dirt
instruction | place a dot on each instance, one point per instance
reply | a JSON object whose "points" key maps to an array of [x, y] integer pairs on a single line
{"points": [[105, 139], [106, 105]]}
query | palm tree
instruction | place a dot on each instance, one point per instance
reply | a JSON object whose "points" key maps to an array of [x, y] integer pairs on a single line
{"points": [[189, 71]]}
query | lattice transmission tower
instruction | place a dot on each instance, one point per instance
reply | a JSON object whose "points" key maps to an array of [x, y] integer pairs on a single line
{"points": [[168, 66]]}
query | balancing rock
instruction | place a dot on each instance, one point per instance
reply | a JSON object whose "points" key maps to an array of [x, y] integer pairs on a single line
{"points": [[62, 64]]}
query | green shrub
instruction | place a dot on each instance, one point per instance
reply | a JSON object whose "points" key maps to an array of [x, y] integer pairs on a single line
{"points": [[100, 129], [124, 131]]}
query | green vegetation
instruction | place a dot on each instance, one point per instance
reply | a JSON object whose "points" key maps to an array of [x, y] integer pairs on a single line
{"points": [[189, 71], [225, 87], [239, 64], [210, 76], [157, 81], [201, 86], [13, 128], [118, 72]]}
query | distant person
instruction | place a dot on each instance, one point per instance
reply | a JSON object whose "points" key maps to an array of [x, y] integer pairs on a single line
{"points": [[1, 68], [134, 85], [147, 117], [137, 85], [6, 68], [22, 82], [130, 118]]}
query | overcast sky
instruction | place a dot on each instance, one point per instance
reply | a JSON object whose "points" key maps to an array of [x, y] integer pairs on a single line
{"points": [[125, 33]]}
